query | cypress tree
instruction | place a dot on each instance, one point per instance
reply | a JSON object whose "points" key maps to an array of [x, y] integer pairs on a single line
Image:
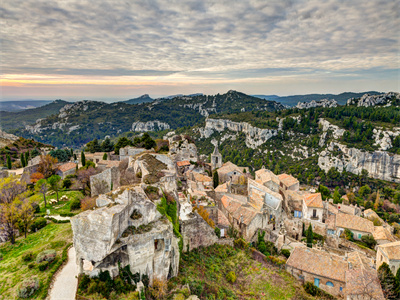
{"points": [[215, 179], [23, 163], [309, 236], [27, 156], [83, 159], [8, 162]]}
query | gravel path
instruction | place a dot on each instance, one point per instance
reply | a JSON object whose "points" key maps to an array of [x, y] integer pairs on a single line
{"points": [[66, 282]]}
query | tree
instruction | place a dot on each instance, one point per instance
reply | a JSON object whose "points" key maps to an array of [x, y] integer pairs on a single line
{"points": [[47, 165], [9, 162], [325, 193], [215, 179], [10, 188], [42, 187], [388, 281], [84, 178], [122, 142], [83, 159], [336, 196], [61, 155], [107, 145], [35, 177], [22, 158], [54, 183], [377, 200], [309, 236], [26, 215], [369, 240], [27, 156], [105, 156], [93, 146], [364, 191]]}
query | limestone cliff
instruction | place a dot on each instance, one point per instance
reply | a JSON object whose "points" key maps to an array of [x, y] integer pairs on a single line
{"points": [[320, 103], [372, 100], [6, 138], [149, 126]]}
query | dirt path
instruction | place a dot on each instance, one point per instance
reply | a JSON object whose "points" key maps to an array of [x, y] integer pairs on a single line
{"points": [[65, 281]]}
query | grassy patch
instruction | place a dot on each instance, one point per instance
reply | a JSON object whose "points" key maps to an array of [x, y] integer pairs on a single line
{"points": [[14, 269], [206, 271], [62, 207]]}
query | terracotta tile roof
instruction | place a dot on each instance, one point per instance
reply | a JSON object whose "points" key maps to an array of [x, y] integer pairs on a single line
{"points": [[354, 223], [332, 209], [230, 204], [265, 175], [109, 163], [294, 195], [358, 260], [392, 250], [201, 177], [287, 180], [381, 233], [222, 219], [364, 283], [313, 200], [183, 163], [66, 167], [319, 263], [229, 167], [347, 209], [222, 188], [245, 214], [331, 222]]}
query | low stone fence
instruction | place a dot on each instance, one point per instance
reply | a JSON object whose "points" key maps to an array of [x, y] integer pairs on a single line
{"points": [[225, 241]]}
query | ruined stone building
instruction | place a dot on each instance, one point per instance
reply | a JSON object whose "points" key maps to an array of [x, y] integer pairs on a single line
{"points": [[126, 230]]}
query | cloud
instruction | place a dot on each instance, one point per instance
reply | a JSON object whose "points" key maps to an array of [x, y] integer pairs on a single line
{"points": [[233, 40]]}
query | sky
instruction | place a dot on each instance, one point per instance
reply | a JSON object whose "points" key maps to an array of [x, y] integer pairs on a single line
{"points": [[114, 50]]}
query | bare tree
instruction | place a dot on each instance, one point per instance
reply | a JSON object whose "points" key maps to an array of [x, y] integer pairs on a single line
{"points": [[25, 212], [10, 188], [9, 215], [84, 178]]}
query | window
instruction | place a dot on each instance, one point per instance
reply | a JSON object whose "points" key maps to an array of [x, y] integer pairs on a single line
{"points": [[359, 236], [341, 289], [329, 283], [316, 282], [314, 213]]}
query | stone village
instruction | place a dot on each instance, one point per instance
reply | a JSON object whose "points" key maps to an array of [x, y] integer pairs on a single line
{"points": [[127, 228]]}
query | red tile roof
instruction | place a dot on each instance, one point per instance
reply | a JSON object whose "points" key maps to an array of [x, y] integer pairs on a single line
{"points": [[183, 163], [68, 166], [313, 200]]}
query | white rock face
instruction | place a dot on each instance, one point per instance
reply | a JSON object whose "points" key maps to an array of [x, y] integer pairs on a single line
{"points": [[6, 138], [379, 164], [327, 126], [383, 138], [182, 149], [254, 136], [368, 100], [149, 126], [320, 103]]}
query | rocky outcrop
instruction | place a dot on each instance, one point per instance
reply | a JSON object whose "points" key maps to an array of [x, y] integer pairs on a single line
{"points": [[319, 103], [379, 164], [383, 138], [129, 231], [105, 181], [6, 138], [254, 136], [149, 126], [372, 100], [328, 127]]}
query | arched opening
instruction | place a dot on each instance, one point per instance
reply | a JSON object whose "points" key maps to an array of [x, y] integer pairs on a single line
{"points": [[329, 284]]}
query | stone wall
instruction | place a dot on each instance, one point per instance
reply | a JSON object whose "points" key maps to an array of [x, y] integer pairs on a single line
{"points": [[28, 171], [197, 233], [101, 183]]}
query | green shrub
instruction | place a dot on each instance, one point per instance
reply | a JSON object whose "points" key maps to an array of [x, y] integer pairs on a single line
{"points": [[217, 232], [285, 253], [66, 183], [39, 223], [145, 280], [43, 265], [27, 256], [46, 255], [1, 256], [28, 287], [75, 204], [58, 244], [84, 281], [31, 265], [310, 289], [231, 277], [67, 214]]}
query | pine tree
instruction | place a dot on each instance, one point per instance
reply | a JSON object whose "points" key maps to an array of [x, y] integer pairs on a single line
{"points": [[23, 163], [8, 162], [83, 159]]}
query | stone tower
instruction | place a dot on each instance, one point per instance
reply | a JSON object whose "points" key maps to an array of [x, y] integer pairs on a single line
{"points": [[216, 158]]}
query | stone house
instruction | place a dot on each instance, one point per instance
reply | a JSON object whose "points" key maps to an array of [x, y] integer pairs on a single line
{"points": [[183, 166], [66, 169], [229, 170], [390, 254], [313, 208], [105, 164], [264, 199], [288, 182], [95, 157], [357, 225], [349, 209], [326, 271], [243, 217], [269, 179], [110, 235]]}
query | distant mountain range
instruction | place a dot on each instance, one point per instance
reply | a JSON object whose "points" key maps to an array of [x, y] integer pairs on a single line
{"points": [[341, 99], [13, 106], [142, 99]]}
